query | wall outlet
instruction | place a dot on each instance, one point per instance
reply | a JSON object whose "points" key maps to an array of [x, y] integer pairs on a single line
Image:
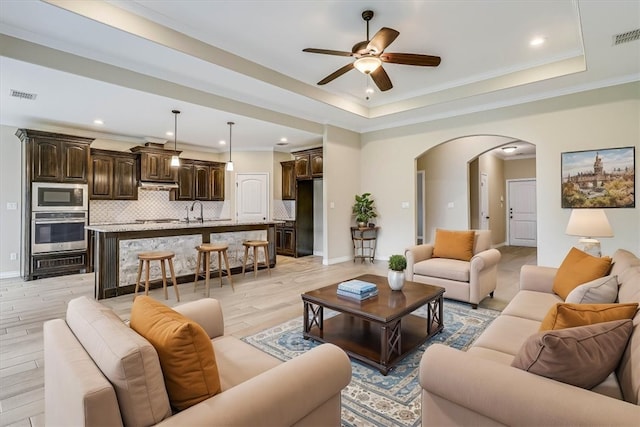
{"points": [[13, 256], [405, 205], [12, 206], [450, 205]]}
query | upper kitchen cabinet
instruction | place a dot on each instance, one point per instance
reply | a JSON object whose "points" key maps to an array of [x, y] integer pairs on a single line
{"points": [[155, 163], [288, 180], [217, 181], [199, 180], [113, 175], [54, 157], [308, 163]]}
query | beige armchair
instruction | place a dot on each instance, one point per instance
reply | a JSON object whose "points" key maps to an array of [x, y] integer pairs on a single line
{"points": [[468, 281]]}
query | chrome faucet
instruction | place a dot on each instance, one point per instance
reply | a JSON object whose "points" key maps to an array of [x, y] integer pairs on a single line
{"points": [[187, 209], [201, 215]]}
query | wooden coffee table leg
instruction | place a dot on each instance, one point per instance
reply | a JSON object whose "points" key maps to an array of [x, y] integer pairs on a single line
{"points": [[390, 342], [313, 316]]}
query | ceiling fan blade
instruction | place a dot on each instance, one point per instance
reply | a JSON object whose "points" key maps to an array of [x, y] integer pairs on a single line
{"points": [[381, 79], [382, 39], [411, 59], [328, 52], [337, 74]]}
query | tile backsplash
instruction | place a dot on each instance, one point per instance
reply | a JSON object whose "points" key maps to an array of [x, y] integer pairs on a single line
{"points": [[284, 209], [151, 204]]}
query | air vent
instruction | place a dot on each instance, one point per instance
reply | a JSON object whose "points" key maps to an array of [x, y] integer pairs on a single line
{"points": [[629, 36], [23, 95]]}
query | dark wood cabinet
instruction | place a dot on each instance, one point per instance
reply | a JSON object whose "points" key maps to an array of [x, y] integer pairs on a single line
{"points": [[56, 157], [308, 163], [315, 162], [199, 180], [217, 181], [288, 180], [114, 176], [155, 163], [286, 238], [186, 186]]}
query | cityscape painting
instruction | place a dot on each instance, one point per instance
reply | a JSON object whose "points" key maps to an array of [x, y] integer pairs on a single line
{"points": [[599, 178]]}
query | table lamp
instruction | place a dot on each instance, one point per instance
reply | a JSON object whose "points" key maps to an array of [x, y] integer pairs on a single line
{"points": [[589, 223]]}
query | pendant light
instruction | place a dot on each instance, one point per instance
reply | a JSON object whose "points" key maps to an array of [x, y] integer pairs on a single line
{"points": [[175, 161], [230, 163]]}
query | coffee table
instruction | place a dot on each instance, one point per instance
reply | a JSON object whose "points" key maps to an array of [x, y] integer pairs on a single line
{"points": [[379, 331]]}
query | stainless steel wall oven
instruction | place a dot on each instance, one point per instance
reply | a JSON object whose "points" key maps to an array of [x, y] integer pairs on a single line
{"points": [[58, 231]]}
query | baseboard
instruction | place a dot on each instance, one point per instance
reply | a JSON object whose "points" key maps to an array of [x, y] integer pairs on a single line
{"points": [[9, 274], [337, 260], [318, 253], [499, 245]]}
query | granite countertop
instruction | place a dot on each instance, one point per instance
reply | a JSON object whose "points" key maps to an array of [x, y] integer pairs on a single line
{"points": [[116, 228]]}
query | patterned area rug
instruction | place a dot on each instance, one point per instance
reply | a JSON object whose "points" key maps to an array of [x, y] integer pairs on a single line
{"points": [[372, 399]]}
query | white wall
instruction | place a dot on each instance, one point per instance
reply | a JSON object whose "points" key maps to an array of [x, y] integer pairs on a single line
{"points": [[590, 120]]}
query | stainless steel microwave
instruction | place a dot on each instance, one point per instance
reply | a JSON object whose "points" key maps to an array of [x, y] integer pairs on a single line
{"points": [[48, 196]]}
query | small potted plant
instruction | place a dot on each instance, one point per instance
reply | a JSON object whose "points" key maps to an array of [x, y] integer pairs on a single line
{"points": [[364, 209], [397, 265]]}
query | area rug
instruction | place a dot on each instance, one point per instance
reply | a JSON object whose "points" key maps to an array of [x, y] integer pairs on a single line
{"points": [[372, 399]]}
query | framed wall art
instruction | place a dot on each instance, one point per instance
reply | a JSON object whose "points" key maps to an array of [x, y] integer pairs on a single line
{"points": [[599, 178]]}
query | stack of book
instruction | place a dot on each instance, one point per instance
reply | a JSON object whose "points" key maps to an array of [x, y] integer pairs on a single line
{"points": [[357, 290]]}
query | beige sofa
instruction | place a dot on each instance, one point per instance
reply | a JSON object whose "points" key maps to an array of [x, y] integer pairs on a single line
{"points": [[467, 281], [480, 387], [257, 389]]}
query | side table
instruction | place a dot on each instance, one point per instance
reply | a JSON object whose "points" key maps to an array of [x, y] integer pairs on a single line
{"points": [[364, 243]]}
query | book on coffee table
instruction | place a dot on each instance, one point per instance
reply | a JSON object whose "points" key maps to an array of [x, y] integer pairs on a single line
{"points": [[357, 286], [357, 296]]}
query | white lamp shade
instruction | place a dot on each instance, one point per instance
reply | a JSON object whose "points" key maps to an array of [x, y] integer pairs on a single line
{"points": [[367, 64], [229, 166], [175, 161], [589, 223]]}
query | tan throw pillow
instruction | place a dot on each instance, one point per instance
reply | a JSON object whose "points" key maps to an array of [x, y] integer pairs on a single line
{"points": [[564, 315], [583, 356], [577, 268], [185, 351], [454, 244], [600, 291]]}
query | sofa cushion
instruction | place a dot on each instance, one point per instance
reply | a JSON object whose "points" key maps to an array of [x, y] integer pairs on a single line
{"points": [[564, 315], [629, 290], [578, 267], [129, 362], [454, 244], [444, 268], [185, 351], [603, 290], [583, 356], [531, 304]]}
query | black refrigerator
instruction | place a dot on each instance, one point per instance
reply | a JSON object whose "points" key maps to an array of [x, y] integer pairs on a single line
{"points": [[304, 218]]}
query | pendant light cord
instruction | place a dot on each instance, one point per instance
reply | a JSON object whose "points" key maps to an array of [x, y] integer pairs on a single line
{"points": [[230, 125]]}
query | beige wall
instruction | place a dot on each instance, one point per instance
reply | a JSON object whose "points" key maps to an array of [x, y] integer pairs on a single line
{"points": [[520, 168], [494, 168], [341, 182], [11, 192], [585, 121]]}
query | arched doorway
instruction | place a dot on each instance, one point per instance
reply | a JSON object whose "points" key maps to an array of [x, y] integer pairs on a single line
{"points": [[452, 175]]}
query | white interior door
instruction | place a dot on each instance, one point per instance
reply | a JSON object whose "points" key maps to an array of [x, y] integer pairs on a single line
{"points": [[484, 201], [252, 196], [522, 213]]}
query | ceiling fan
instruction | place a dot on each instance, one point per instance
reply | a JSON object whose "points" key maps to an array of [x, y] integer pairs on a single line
{"points": [[370, 55]]}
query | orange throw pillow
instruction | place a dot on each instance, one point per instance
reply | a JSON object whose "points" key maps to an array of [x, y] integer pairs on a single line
{"points": [[565, 315], [186, 355], [454, 244], [577, 268]]}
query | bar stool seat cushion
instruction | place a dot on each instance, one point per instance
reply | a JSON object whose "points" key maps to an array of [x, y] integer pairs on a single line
{"points": [[184, 349]]}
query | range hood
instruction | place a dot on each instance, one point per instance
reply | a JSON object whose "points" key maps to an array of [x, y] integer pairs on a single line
{"points": [[151, 185]]}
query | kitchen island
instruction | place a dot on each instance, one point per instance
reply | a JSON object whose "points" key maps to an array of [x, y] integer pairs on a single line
{"points": [[114, 248]]}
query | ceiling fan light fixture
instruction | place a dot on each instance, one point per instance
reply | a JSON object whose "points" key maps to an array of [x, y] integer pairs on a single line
{"points": [[509, 149], [367, 64]]}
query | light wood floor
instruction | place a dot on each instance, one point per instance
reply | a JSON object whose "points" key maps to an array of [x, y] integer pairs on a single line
{"points": [[256, 304]]}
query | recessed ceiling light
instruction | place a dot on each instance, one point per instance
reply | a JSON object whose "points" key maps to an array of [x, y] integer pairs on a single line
{"points": [[536, 41], [169, 133], [222, 142], [98, 122], [509, 149], [283, 139]]}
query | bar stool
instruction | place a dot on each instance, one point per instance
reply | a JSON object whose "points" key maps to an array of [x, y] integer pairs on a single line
{"points": [[162, 256], [255, 244], [204, 254]]}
